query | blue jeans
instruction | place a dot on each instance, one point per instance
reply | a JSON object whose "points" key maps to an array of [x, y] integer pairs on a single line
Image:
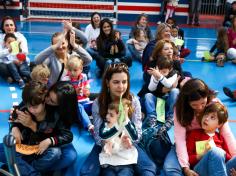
{"points": [[91, 166], [134, 53], [151, 101], [68, 157], [144, 167], [171, 165], [126, 170], [92, 52], [44, 162], [25, 168], [213, 163], [19, 70], [83, 116]]}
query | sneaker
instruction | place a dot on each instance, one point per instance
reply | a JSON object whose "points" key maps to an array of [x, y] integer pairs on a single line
{"points": [[197, 24], [21, 84], [228, 92]]}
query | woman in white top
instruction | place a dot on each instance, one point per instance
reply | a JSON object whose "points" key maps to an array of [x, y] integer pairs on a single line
{"points": [[92, 31], [8, 25]]}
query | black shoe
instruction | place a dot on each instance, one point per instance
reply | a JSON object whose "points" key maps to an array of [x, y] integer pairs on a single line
{"points": [[196, 24], [228, 92]]}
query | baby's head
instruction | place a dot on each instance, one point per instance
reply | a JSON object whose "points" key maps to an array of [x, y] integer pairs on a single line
{"points": [[140, 34], [9, 37], [174, 31], [113, 110], [215, 115], [40, 73], [75, 66], [164, 65]]}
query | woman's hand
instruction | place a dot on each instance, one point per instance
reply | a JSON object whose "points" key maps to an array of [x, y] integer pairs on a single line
{"points": [[72, 39], [67, 25], [17, 134], [43, 145], [60, 41], [233, 172], [25, 119], [155, 72], [189, 172]]}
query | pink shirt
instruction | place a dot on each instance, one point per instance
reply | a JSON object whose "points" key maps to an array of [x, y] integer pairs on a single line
{"points": [[180, 139], [231, 37]]}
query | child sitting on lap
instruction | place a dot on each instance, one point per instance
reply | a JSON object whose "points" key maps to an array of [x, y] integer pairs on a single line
{"points": [[118, 156]]}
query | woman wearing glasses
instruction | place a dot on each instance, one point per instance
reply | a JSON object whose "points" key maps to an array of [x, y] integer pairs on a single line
{"points": [[116, 83]]}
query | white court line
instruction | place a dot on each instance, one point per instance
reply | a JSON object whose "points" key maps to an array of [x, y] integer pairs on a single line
{"points": [[15, 103], [14, 95], [12, 89]]}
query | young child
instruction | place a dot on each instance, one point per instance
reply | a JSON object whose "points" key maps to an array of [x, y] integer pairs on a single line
{"points": [[139, 43], [163, 83], [17, 63], [41, 74], [221, 46], [179, 41], [215, 115], [170, 8], [81, 85], [117, 157]]}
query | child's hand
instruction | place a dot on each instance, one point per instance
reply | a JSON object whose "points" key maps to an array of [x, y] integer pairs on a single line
{"points": [[155, 72], [91, 129], [24, 118], [43, 145], [79, 91], [108, 147], [86, 92], [126, 142], [17, 134]]}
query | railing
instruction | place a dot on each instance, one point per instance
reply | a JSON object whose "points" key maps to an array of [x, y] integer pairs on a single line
{"points": [[213, 7]]}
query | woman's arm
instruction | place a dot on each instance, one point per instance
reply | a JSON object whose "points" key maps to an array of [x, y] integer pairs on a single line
{"points": [[136, 116], [43, 55], [84, 55], [81, 35], [180, 142], [4, 53], [97, 121], [227, 134]]}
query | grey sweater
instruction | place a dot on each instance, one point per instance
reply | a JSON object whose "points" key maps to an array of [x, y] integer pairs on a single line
{"points": [[48, 57]]}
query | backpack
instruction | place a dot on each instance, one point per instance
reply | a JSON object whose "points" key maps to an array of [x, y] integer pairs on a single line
{"points": [[156, 146]]}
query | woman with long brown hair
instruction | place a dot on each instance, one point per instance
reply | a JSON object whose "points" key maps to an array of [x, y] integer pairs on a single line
{"points": [[116, 83]]}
